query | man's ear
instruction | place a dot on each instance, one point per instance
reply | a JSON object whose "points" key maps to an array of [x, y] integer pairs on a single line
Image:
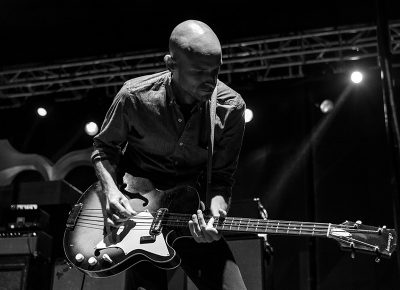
{"points": [[169, 62]]}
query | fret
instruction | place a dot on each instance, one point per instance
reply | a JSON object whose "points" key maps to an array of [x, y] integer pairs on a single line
{"points": [[258, 221], [288, 228], [294, 228], [230, 224], [266, 227], [240, 223], [313, 229], [248, 222], [277, 227], [301, 226]]}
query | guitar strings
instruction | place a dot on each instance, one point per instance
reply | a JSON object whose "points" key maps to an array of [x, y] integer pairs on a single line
{"points": [[276, 228], [188, 216], [305, 230], [173, 220], [280, 227], [251, 227], [90, 227]]}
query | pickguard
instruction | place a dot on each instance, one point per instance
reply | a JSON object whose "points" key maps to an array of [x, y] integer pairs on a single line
{"points": [[127, 237]]}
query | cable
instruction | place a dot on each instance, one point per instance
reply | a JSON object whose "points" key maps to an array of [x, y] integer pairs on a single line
{"points": [[83, 281]]}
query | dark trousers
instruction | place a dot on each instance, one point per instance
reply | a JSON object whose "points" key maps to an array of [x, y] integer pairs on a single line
{"points": [[209, 266]]}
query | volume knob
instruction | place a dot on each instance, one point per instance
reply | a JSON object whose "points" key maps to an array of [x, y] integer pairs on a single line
{"points": [[79, 257], [92, 261]]}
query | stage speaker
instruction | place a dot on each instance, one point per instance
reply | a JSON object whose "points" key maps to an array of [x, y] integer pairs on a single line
{"points": [[24, 272], [250, 256], [66, 278]]}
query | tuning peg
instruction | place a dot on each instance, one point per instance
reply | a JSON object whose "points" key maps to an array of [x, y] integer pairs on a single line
{"points": [[353, 253], [380, 230], [378, 255], [357, 224]]}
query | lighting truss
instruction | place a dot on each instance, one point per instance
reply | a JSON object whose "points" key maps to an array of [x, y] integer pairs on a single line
{"points": [[265, 59]]}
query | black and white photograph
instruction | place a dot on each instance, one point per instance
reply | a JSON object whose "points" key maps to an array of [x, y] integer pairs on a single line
{"points": [[199, 145]]}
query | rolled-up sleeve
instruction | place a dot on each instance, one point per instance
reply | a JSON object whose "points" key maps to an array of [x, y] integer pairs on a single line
{"points": [[108, 143], [227, 150]]}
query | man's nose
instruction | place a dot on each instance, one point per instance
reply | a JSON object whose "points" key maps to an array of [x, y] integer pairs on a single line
{"points": [[211, 79]]}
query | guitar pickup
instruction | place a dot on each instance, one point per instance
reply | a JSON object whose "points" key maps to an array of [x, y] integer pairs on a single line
{"points": [[147, 239], [73, 215]]}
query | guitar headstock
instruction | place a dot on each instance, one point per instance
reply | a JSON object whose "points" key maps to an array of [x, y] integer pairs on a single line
{"points": [[354, 236]]}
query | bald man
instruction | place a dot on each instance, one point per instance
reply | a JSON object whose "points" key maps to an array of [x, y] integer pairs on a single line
{"points": [[155, 137]]}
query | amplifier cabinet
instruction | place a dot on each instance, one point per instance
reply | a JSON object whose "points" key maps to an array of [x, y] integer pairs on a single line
{"points": [[250, 256], [24, 272]]}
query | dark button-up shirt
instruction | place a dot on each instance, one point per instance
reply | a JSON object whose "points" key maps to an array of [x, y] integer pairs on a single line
{"points": [[145, 134]]}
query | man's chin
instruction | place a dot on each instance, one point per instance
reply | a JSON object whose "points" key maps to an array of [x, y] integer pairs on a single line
{"points": [[205, 95]]}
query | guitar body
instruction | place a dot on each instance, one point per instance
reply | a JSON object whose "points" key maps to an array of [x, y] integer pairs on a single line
{"points": [[86, 239]]}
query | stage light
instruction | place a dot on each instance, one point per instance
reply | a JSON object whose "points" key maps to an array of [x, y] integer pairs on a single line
{"points": [[91, 128], [41, 112], [248, 115], [356, 77], [326, 106]]}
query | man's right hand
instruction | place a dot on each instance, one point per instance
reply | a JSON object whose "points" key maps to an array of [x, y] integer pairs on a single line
{"points": [[118, 208]]}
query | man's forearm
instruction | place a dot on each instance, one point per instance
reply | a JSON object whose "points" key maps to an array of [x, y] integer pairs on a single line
{"points": [[106, 174]]}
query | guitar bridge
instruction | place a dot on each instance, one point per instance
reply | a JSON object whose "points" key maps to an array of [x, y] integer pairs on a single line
{"points": [[147, 239], [156, 226], [73, 216]]}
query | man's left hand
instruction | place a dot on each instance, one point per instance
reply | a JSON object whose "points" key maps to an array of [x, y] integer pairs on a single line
{"points": [[203, 232]]}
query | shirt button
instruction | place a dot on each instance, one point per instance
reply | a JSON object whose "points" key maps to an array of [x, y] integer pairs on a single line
{"points": [[179, 120], [181, 144]]}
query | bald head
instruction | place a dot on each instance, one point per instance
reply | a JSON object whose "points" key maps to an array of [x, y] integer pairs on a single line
{"points": [[195, 37], [194, 61]]}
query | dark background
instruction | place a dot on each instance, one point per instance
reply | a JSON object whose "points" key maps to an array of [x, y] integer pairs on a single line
{"points": [[342, 174]]}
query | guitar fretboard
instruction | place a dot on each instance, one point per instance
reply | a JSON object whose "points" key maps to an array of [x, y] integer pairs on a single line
{"points": [[272, 226], [248, 225]]}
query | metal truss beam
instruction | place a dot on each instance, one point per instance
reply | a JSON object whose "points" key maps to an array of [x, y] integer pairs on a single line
{"points": [[272, 58]]}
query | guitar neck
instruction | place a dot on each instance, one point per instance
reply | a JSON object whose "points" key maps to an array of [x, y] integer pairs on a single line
{"points": [[277, 227], [260, 226]]}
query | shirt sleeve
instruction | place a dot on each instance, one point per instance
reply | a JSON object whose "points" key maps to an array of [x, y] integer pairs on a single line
{"points": [[109, 142], [226, 152]]}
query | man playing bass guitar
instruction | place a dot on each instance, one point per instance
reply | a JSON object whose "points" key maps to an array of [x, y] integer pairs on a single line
{"points": [[155, 136]]}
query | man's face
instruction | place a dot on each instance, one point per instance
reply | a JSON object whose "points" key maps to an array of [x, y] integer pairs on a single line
{"points": [[196, 74]]}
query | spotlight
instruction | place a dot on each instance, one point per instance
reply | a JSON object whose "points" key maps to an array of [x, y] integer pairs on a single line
{"points": [[91, 128], [326, 106], [356, 77], [41, 112], [248, 115]]}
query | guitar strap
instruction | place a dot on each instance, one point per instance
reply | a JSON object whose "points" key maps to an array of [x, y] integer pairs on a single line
{"points": [[212, 105]]}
